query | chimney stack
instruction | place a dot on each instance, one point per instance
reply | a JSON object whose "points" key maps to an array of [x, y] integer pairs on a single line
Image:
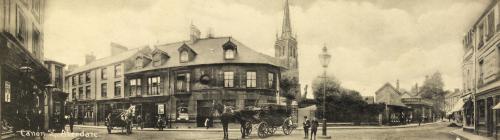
{"points": [[397, 84], [117, 49], [89, 58], [194, 33], [72, 67]]}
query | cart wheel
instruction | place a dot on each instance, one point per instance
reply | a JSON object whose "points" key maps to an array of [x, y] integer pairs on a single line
{"points": [[272, 130], [262, 130], [287, 130]]}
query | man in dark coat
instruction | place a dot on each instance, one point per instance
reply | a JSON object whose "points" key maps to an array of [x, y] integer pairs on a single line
{"points": [[314, 128], [226, 116], [71, 121], [306, 125]]}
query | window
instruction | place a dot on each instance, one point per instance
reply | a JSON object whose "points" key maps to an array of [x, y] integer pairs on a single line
{"points": [[250, 102], [184, 56], [157, 59], [118, 87], [80, 93], [36, 45], [491, 24], [87, 92], [481, 72], [481, 34], [270, 80], [154, 85], [135, 87], [73, 94], [58, 77], [182, 82], [82, 78], [229, 79], [36, 6], [21, 26], [87, 77], [104, 90], [251, 79], [118, 70], [104, 75], [138, 62], [73, 80], [229, 54]]}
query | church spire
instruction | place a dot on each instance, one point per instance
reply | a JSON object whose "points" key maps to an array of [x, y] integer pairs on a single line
{"points": [[287, 27]]}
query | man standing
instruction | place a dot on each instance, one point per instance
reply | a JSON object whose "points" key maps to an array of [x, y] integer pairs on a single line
{"points": [[306, 124], [139, 122], [225, 121], [71, 122], [206, 122], [314, 128]]}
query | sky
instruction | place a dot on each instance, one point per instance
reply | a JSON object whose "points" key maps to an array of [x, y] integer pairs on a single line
{"points": [[372, 42]]}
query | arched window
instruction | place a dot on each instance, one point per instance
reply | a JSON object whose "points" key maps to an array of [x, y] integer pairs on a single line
{"points": [[229, 54], [184, 56]]}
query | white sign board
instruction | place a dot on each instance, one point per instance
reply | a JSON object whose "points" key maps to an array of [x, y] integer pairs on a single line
{"points": [[7, 91], [161, 109]]}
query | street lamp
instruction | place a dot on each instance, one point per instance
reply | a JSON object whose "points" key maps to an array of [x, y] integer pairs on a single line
{"points": [[324, 59]]}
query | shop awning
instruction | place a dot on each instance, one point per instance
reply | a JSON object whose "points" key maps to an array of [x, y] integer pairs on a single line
{"points": [[457, 107], [497, 106]]}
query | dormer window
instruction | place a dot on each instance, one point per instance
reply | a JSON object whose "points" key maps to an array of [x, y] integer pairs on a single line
{"points": [[139, 62], [230, 50], [157, 59], [229, 54], [184, 56]]}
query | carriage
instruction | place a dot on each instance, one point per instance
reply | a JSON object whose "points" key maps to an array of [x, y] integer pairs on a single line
{"points": [[120, 118], [266, 119]]}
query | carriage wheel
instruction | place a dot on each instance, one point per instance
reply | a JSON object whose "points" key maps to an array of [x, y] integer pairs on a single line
{"points": [[248, 127], [262, 130], [287, 130]]}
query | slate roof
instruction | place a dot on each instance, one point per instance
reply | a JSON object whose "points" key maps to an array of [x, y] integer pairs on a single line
{"points": [[210, 51], [108, 60], [394, 101]]}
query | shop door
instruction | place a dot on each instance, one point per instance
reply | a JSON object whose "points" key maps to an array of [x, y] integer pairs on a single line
{"points": [[203, 112], [489, 118]]}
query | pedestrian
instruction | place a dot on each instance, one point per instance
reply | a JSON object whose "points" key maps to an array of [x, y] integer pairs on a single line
{"points": [[206, 122], [71, 122], [226, 115], [306, 124], [139, 121], [160, 123], [243, 128], [314, 128]]}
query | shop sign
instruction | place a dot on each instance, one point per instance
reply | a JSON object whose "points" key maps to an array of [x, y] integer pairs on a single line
{"points": [[161, 109], [7, 91]]}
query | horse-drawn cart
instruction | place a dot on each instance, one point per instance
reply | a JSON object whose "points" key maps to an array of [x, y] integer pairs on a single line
{"points": [[120, 118], [266, 119]]}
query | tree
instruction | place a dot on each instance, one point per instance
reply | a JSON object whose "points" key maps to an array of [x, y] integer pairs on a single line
{"points": [[342, 105], [433, 90]]}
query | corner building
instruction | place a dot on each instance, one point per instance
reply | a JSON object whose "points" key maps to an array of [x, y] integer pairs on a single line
{"points": [[190, 81]]}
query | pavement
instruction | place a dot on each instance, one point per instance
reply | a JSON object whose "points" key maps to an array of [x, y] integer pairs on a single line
{"points": [[238, 130], [469, 136]]}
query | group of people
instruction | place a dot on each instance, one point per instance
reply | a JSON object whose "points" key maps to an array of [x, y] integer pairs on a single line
{"points": [[310, 124]]}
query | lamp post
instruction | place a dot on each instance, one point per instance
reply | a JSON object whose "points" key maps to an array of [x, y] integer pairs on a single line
{"points": [[324, 58]]}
